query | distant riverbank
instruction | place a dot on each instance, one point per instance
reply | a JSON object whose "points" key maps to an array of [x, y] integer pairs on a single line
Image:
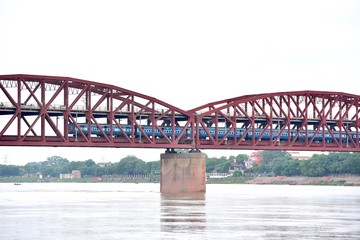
{"points": [[339, 180]]}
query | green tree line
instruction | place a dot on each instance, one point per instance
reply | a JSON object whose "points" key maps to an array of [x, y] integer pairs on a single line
{"points": [[224, 164], [278, 163], [56, 165], [130, 165]]}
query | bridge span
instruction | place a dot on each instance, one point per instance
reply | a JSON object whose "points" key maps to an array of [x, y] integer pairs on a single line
{"points": [[60, 111], [68, 112]]}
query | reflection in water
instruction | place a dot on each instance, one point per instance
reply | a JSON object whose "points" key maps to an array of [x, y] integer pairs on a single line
{"points": [[183, 213]]}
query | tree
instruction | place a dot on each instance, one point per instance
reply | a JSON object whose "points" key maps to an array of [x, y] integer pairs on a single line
{"points": [[55, 161], [291, 167], [240, 158], [277, 166], [153, 167], [269, 155], [353, 165], [9, 170], [211, 164], [111, 169], [140, 167], [260, 169], [131, 165], [76, 165], [98, 171], [315, 167], [33, 167], [219, 165], [90, 163]]}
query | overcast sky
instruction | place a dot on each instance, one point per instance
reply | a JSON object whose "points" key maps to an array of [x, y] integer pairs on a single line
{"points": [[186, 53]]}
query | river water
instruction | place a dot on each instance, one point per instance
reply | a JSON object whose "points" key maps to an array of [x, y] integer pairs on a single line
{"points": [[138, 211]]}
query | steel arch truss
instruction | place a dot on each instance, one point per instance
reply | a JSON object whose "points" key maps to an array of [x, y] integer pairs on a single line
{"points": [[304, 120], [60, 111]]}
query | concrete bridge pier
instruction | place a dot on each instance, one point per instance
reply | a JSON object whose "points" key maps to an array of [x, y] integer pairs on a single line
{"points": [[183, 173]]}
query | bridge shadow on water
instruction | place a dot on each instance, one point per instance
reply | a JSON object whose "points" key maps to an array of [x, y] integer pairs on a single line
{"points": [[183, 213]]}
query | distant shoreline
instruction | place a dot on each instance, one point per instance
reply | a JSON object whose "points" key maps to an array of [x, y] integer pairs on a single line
{"points": [[341, 180]]}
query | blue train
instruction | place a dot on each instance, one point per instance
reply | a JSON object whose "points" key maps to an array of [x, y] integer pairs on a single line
{"points": [[285, 135], [147, 129], [84, 128], [221, 132], [127, 129]]}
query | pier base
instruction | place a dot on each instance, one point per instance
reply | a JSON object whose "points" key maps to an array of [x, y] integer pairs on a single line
{"points": [[183, 173]]}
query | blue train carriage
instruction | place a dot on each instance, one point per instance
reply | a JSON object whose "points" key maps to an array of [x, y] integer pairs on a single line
{"points": [[166, 130], [221, 132], [203, 134], [73, 130], [148, 131], [265, 135], [127, 130], [344, 136], [327, 135], [117, 132], [241, 131]]}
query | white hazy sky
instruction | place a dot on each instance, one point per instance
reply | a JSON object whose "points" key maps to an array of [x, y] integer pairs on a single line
{"points": [[186, 53]]}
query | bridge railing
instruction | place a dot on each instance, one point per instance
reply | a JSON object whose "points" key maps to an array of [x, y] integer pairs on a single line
{"points": [[9, 105]]}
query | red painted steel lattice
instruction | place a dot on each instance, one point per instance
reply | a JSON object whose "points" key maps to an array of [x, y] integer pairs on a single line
{"points": [[39, 111], [61, 111], [315, 120]]}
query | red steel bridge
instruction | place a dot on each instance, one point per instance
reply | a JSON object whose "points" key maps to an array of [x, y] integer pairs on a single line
{"points": [[68, 112]]}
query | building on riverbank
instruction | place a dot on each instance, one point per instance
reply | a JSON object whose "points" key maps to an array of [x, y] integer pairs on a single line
{"points": [[73, 175]]}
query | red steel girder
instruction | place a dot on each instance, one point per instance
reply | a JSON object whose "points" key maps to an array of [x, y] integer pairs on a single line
{"points": [[332, 115], [37, 102], [32, 105]]}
